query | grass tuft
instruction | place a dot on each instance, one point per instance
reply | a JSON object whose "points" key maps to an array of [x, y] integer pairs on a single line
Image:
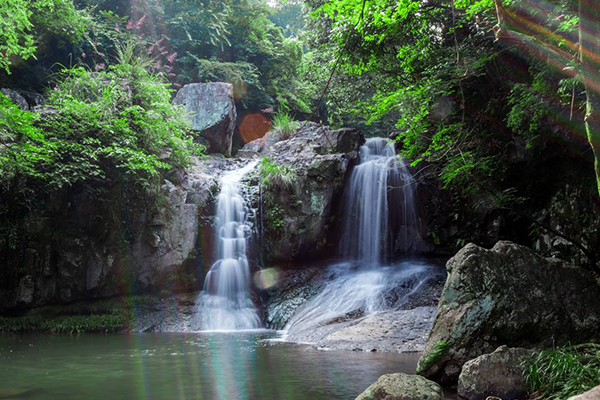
{"points": [[285, 123], [275, 175], [564, 372]]}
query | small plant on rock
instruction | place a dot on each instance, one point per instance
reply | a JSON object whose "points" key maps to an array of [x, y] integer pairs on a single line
{"points": [[275, 175], [285, 123]]}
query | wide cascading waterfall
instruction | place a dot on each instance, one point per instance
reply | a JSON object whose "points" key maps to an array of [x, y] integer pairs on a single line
{"points": [[225, 298], [379, 214], [379, 218]]}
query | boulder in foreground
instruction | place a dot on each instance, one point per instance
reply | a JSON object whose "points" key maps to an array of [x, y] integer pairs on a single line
{"points": [[402, 387], [511, 296], [498, 374]]}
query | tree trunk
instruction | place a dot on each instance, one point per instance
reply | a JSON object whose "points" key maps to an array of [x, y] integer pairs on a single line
{"points": [[589, 46]]}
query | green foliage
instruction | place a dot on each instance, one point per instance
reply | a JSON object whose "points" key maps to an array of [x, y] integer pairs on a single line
{"points": [[117, 124], [242, 75], [532, 104], [22, 22], [564, 372], [284, 122], [274, 175], [102, 316]]}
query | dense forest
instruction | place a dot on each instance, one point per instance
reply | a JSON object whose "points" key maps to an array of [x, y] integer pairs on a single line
{"points": [[436, 126]]}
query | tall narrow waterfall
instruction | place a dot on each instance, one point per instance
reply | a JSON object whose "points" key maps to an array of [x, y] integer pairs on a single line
{"points": [[379, 214], [226, 296]]}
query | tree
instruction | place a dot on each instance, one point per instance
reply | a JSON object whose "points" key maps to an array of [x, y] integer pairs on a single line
{"points": [[589, 56], [19, 19]]}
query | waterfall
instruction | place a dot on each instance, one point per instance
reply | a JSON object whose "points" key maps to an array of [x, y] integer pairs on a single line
{"points": [[379, 210], [379, 219], [225, 298]]}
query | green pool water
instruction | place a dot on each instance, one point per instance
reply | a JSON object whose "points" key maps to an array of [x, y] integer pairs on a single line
{"points": [[212, 366]]}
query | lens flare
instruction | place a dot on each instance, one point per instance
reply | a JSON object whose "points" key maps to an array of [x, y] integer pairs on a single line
{"points": [[266, 278], [254, 126]]}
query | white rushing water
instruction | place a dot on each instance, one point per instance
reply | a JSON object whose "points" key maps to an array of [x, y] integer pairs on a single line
{"points": [[379, 214], [379, 218], [225, 299], [351, 292]]}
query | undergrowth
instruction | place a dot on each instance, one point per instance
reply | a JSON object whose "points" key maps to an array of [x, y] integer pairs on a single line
{"points": [[564, 372], [103, 316]]}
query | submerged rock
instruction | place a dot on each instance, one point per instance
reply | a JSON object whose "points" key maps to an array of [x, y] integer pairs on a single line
{"points": [[498, 374], [212, 113], [402, 387], [507, 296]]}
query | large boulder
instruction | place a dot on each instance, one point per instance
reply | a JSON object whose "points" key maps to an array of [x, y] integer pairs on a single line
{"points": [[498, 374], [402, 387], [511, 296], [212, 113], [297, 218]]}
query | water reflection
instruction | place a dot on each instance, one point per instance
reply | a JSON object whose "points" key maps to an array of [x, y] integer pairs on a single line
{"points": [[217, 366]]}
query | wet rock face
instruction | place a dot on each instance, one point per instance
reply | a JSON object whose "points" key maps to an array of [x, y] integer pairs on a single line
{"points": [[402, 387], [297, 219], [498, 374], [404, 328], [293, 289], [147, 249], [511, 296], [212, 113], [401, 331]]}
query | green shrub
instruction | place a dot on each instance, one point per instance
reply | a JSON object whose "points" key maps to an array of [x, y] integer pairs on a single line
{"points": [[275, 175], [565, 372], [116, 125]]}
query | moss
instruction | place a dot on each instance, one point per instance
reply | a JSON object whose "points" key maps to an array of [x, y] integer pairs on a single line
{"points": [[101, 316], [439, 349]]}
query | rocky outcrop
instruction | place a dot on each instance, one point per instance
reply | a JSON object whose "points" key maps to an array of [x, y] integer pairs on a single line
{"points": [[507, 296], [297, 218], [212, 113], [130, 249], [292, 289], [401, 331], [593, 394], [402, 387], [23, 99], [404, 328], [498, 374]]}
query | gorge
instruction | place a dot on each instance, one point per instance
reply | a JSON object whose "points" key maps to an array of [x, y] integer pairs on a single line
{"points": [[299, 200]]}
